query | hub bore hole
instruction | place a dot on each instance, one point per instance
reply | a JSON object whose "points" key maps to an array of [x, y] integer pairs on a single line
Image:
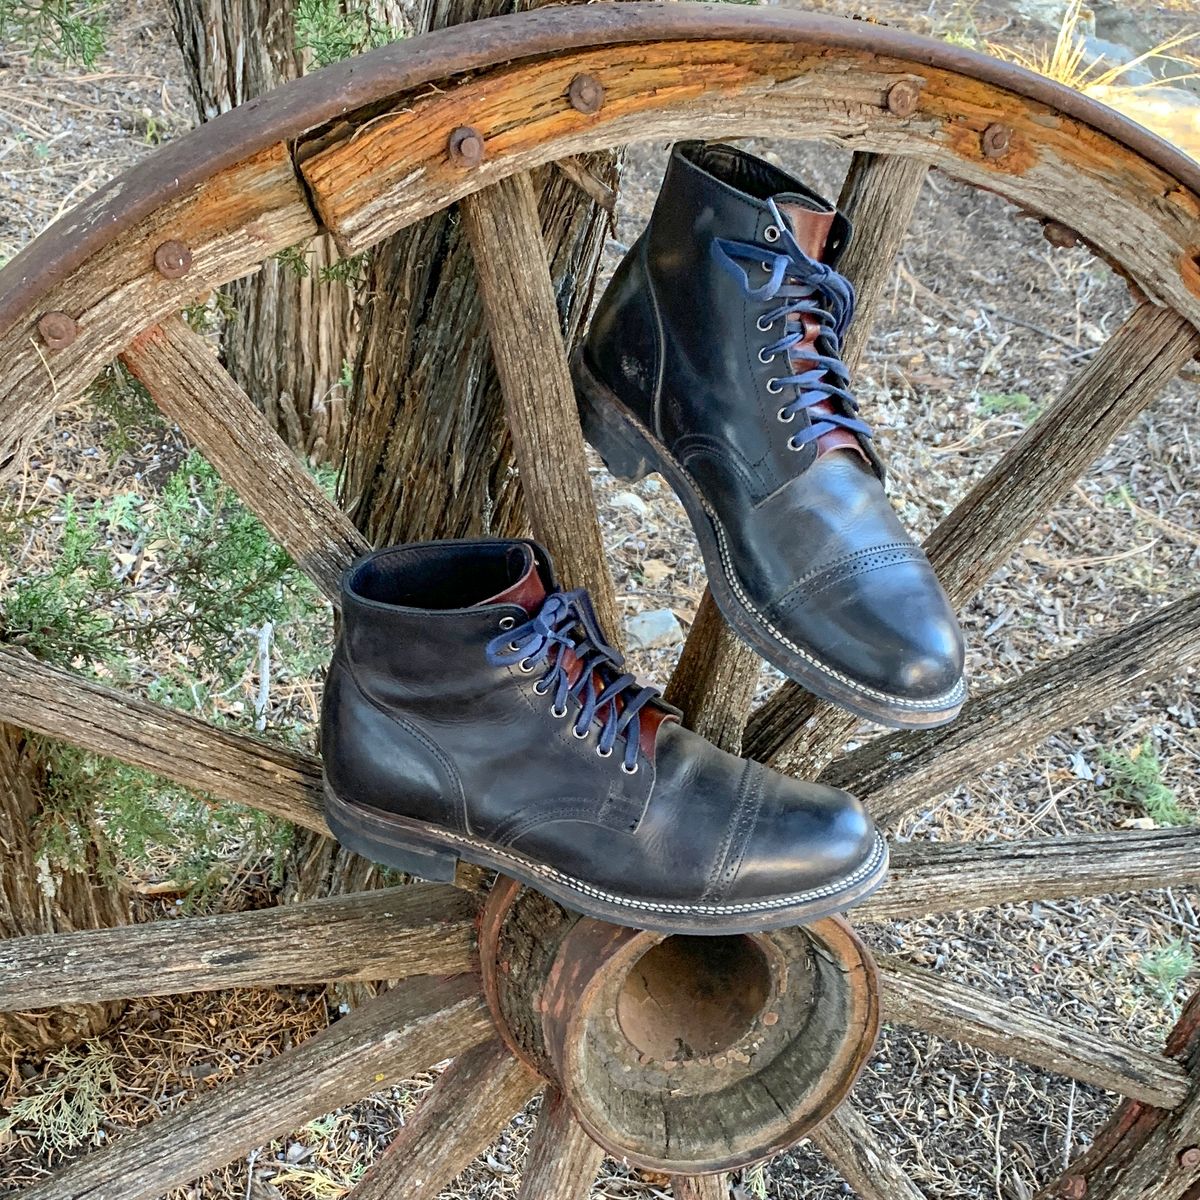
{"points": [[693, 996]]}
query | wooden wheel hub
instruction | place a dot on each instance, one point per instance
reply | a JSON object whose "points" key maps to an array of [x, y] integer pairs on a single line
{"points": [[681, 1053]]}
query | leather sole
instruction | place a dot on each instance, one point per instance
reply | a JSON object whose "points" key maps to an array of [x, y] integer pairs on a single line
{"points": [[433, 853], [630, 451]]}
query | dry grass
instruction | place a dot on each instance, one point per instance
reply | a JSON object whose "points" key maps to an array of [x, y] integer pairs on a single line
{"points": [[990, 310]]}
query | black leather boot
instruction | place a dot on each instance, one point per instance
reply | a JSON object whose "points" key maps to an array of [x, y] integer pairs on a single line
{"points": [[713, 358], [474, 711]]}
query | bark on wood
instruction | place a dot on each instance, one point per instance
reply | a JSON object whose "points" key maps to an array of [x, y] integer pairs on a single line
{"points": [[226, 765], [862, 1160], [421, 929], [965, 1013], [40, 896], [936, 877], [383, 1042], [503, 226], [1146, 1152], [193, 390], [290, 331], [470, 1104], [901, 771], [230, 224], [563, 1159], [1000, 511], [700, 1187]]}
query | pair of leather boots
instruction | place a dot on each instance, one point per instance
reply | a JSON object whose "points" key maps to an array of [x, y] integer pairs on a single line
{"points": [[474, 710]]}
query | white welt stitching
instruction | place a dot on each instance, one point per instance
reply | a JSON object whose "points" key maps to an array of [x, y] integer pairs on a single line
{"points": [[587, 889]]}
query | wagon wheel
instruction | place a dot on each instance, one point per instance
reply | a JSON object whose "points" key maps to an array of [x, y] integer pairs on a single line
{"points": [[360, 150]]}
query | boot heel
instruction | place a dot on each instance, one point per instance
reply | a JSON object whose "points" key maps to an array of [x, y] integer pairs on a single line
{"points": [[625, 452], [377, 839]]}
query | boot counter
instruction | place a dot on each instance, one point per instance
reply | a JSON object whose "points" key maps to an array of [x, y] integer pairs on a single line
{"points": [[383, 760], [622, 346]]}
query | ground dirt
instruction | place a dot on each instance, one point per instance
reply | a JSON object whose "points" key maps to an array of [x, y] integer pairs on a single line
{"points": [[983, 323]]}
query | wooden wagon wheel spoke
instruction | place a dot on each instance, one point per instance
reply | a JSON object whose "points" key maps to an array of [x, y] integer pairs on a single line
{"points": [[514, 280], [965, 1013], [700, 1187], [870, 1168], [899, 771], [563, 1159], [468, 1107], [180, 370], [385, 1041], [936, 877], [421, 929], [230, 766], [717, 673], [1137, 362]]}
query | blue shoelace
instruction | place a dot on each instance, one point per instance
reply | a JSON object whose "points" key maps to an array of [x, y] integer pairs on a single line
{"points": [[566, 621], [802, 286]]}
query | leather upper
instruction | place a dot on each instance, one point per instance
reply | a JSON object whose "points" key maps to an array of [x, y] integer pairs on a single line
{"points": [[818, 553], [418, 722]]}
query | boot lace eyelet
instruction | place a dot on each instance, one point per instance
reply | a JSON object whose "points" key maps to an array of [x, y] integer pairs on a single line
{"points": [[507, 622], [771, 233], [537, 687], [630, 770], [794, 445], [764, 328], [764, 357], [604, 753], [581, 736], [558, 712], [774, 387], [786, 416], [527, 667]]}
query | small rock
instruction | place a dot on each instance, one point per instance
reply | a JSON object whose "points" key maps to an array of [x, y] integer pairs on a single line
{"points": [[653, 630], [632, 502], [651, 487]]}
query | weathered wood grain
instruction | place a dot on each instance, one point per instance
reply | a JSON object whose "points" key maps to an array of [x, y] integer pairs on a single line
{"points": [[563, 1159], [935, 877], [421, 929], [181, 372], [968, 1014], [1000, 511], [862, 1160], [714, 680], [227, 765], [230, 223], [879, 195], [381, 172], [468, 1107], [385, 1041], [700, 1187], [902, 771], [531, 361]]}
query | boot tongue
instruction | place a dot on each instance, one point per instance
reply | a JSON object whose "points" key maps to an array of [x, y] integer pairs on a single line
{"points": [[810, 227], [529, 591]]}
